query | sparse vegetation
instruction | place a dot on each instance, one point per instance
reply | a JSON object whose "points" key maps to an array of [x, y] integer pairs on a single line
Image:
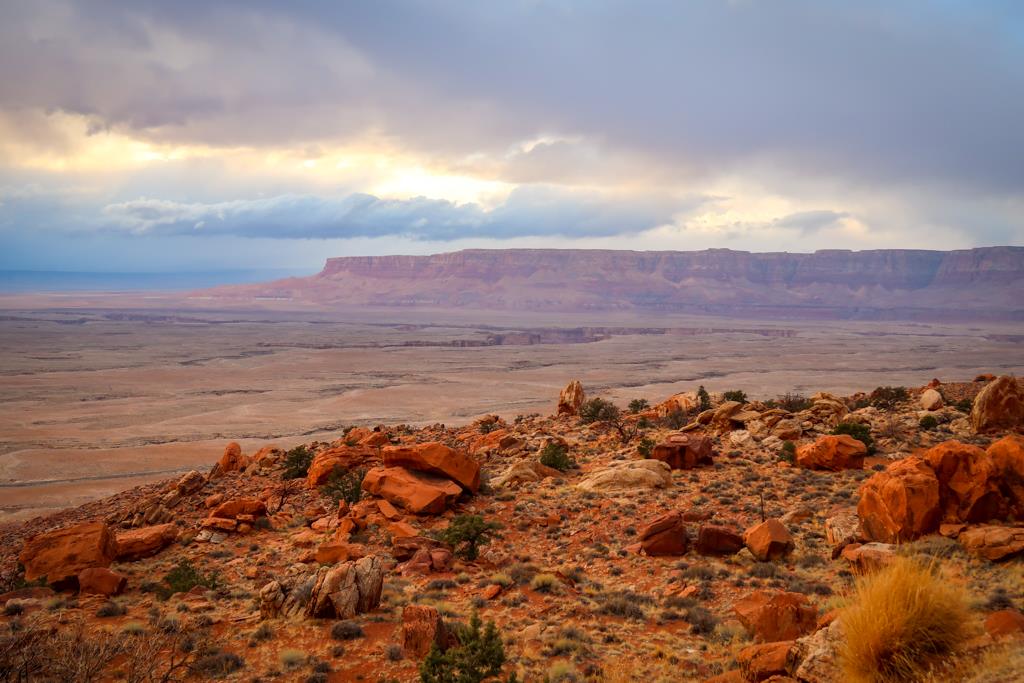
{"points": [[598, 410], [479, 655], [703, 398], [902, 620], [297, 462], [888, 398], [735, 395], [788, 452], [645, 447], [466, 533], [858, 431], [184, 577], [344, 484], [556, 455], [928, 423], [638, 405], [346, 630]]}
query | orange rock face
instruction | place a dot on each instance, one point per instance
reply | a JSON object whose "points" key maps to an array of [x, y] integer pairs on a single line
{"points": [[900, 503], [345, 457], [771, 616], [436, 458], [62, 554], [1005, 622], [761, 662], [375, 439], [101, 581], [665, 535], [139, 543], [968, 482], [231, 509], [422, 627], [713, 539], [1007, 457], [994, 542], [835, 453], [684, 451], [571, 398], [417, 492], [233, 460], [1000, 405], [769, 540]]}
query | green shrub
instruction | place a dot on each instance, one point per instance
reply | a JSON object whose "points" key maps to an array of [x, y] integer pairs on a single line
{"points": [[466, 533], [184, 577], [675, 418], [344, 484], [888, 398], [638, 405], [297, 462], [545, 583], [792, 402], [645, 447], [788, 451], [735, 395], [704, 398], [557, 455], [858, 431], [928, 423], [346, 630], [478, 656], [964, 405], [599, 410]]}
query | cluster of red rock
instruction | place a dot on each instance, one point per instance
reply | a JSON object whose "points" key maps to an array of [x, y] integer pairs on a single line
{"points": [[668, 535], [947, 487]]}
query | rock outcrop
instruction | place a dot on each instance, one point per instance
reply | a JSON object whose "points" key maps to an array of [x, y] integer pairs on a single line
{"points": [[61, 555], [438, 459], [347, 589], [684, 451], [422, 627], [418, 492], [834, 453], [341, 457], [139, 543], [771, 616], [1000, 405], [768, 541], [632, 475], [900, 503], [665, 535], [571, 399]]}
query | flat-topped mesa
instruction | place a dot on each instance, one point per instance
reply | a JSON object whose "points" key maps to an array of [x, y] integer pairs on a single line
{"points": [[877, 284]]}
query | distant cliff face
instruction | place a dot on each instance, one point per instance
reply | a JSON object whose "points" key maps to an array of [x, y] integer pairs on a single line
{"points": [[982, 284]]}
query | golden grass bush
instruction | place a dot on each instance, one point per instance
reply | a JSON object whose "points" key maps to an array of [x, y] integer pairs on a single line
{"points": [[901, 622]]}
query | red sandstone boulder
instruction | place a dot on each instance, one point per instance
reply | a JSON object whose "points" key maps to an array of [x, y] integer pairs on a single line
{"points": [[761, 662], [713, 539], [422, 627], [344, 457], [968, 482], [684, 451], [1005, 622], [417, 492], [101, 581], [436, 458], [1007, 457], [1000, 405], [770, 540], [835, 453], [139, 543], [994, 542], [571, 398], [375, 439], [900, 503], [62, 554], [231, 509], [232, 460], [869, 557], [771, 616], [665, 535]]}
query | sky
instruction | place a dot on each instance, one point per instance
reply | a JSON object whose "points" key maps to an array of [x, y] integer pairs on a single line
{"points": [[194, 135]]}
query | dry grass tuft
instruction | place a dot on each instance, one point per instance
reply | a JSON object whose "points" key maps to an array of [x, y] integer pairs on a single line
{"points": [[901, 622]]}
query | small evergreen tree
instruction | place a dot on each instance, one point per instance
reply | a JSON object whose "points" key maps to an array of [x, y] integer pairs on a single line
{"points": [[478, 656], [735, 395], [858, 431], [599, 410], [465, 533], [704, 398], [344, 484], [556, 455], [638, 405], [297, 462], [645, 446]]}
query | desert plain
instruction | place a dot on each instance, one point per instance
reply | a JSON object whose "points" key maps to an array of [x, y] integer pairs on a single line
{"points": [[97, 400]]}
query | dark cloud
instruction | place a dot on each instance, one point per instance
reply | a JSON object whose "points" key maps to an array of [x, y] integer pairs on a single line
{"points": [[526, 212], [873, 92]]}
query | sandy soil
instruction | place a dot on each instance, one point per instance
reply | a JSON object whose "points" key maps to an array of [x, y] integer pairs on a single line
{"points": [[94, 401]]}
